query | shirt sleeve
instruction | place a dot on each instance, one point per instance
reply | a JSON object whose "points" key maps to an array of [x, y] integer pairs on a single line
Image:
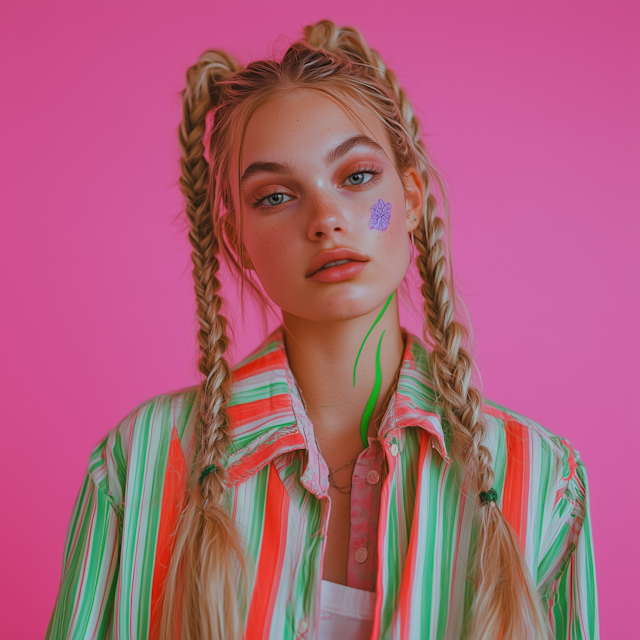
{"points": [[570, 592], [91, 557]]}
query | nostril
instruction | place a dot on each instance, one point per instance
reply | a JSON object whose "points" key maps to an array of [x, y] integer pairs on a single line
{"points": [[318, 234]]}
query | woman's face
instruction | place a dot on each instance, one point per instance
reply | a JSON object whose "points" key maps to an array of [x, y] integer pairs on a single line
{"points": [[326, 217]]}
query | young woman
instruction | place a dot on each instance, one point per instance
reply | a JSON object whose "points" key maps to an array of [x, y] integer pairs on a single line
{"points": [[346, 480]]}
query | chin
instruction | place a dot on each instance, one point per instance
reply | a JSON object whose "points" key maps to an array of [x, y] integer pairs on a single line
{"points": [[340, 303]]}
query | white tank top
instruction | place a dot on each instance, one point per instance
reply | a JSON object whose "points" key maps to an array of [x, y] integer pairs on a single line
{"points": [[345, 612]]}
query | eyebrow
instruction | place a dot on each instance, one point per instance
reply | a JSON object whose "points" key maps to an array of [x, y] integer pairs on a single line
{"points": [[350, 143], [284, 168], [255, 168]]}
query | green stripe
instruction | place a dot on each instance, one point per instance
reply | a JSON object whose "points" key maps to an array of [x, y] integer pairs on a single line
{"points": [[559, 536]]}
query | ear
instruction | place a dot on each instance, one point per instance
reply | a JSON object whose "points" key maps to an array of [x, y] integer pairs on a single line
{"points": [[414, 197]]}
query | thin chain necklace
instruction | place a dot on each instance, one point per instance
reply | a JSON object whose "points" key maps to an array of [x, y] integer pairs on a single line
{"points": [[345, 488]]}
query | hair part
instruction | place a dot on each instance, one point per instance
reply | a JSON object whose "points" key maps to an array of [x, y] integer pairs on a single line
{"points": [[207, 570]]}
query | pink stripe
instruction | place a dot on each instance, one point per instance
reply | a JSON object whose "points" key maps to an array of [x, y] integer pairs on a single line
{"points": [[74, 544], [257, 459], [462, 503], [130, 439], [104, 595], [572, 471], [382, 534], [84, 565], [133, 419], [571, 605], [135, 557], [408, 579]]}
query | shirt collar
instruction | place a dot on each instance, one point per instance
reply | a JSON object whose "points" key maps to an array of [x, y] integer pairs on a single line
{"points": [[269, 419]]}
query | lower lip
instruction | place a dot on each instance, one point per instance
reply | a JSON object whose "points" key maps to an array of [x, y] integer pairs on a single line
{"points": [[341, 272]]}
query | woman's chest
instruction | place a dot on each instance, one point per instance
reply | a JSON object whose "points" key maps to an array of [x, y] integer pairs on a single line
{"points": [[350, 556], [406, 536]]}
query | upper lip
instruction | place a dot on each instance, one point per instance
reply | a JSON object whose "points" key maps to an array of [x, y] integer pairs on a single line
{"points": [[331, 255]]}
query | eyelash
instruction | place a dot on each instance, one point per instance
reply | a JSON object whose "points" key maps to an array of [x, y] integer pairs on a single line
{"points": [[372, 170], [367, 169], [257, 201]]}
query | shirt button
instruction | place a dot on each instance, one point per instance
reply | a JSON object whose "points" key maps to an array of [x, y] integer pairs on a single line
{"points": [[372, 477], [394, 449], [361, 555], [303, 625]]}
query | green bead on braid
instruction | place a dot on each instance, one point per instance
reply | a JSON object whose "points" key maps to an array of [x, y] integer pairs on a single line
{"points": [[488, 496], [206, 471]]}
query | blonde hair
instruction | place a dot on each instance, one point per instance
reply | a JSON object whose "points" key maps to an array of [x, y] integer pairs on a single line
{"points": [[207, 570]]}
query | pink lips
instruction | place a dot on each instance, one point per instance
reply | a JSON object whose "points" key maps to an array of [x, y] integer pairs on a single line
{"points": [[356, 263]]}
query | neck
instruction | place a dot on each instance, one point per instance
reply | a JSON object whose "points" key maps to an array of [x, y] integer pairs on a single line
{"points": [[322, 356]]}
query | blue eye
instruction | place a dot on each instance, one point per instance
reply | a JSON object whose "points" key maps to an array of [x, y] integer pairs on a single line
{"points": [[357, 178], [272, 200]]}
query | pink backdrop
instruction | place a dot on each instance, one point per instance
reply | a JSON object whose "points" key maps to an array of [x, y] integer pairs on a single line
{"points": [[532, 111]]}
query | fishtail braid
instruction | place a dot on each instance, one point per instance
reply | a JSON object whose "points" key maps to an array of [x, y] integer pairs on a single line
{"points": [[450, 362], [198, 98], [199, 600]]}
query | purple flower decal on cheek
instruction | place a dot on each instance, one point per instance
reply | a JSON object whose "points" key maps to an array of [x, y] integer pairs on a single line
{"points": [[380, 215]]}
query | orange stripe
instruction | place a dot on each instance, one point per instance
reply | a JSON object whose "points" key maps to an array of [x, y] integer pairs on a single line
{"points": [[257, 459], [516, 482], [173, 495], [269, 362], [248, 411], [271, 558]]}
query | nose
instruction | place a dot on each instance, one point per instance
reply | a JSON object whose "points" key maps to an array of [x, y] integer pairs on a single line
{"points": [[327, 219]]}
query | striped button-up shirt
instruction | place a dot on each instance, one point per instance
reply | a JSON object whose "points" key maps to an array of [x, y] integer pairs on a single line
{"points": [[120, 536]]}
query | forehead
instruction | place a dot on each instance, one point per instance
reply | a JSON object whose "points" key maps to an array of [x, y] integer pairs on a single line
{"points": [[305, 124]]}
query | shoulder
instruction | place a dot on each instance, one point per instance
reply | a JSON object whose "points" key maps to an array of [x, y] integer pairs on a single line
{"points": [[543, 492], [520, 440], [539, 476], [266, 364], [139, 444], [157, 419], [516, 442], [159, 416]]}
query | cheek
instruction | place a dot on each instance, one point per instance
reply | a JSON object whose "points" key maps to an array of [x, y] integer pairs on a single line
{"points": [[380, 216], [387, 222], [386, 216], [270, 249]]}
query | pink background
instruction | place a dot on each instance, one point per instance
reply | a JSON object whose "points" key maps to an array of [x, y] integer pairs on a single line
{"points": [[532, 112]]}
